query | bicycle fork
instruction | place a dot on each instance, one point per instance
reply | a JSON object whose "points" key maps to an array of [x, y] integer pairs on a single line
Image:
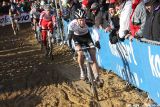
{"points": [[91, 80]]}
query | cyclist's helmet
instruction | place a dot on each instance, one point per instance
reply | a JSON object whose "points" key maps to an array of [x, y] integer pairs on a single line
{"points": [[13, 7], [35, 5], [94, 6], [79, 14], [47, 7], [42, 3]]}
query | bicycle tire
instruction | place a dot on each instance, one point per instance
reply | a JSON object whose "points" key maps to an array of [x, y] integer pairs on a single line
{"points": [[92, 83], [49, 47]]}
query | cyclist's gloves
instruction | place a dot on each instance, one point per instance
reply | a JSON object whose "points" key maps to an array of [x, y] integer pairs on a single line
{"points": [[97, 44], [69, 38]]}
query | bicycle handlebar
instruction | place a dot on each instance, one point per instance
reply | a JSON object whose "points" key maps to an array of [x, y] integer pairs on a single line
{"points": [[45, 29], [85, 48]]}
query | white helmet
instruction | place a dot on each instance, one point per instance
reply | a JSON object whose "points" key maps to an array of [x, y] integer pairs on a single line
{"points": [[42, 3]]}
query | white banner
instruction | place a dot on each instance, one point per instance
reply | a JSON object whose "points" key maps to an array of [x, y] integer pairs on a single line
{"points": [[5, 19]]}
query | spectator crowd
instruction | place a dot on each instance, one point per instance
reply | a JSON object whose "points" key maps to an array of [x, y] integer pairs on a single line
{"points": [[21, 5], [122, 18]]}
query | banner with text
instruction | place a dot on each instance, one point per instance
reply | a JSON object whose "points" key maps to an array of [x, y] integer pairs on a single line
{"points": [[5, 19], [136, 62]]}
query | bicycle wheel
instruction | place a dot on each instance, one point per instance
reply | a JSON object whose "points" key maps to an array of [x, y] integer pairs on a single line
{"points": [[91, 79], [49, 46]]}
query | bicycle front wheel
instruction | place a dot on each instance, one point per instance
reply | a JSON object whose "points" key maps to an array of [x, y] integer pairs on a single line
{"points": [[91, 80], [49, 46]]}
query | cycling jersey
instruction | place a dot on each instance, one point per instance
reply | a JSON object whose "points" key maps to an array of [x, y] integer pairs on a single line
{"points": [[80, 35], [45, 16], [14, 15], [83, 40], [46, 22], [34, 14], [74, 26]]}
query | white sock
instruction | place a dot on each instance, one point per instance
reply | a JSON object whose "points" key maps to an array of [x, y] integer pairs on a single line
{"points": [[96, 75], [81, 71]]}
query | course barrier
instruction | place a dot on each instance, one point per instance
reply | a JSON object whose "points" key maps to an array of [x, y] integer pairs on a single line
{"points": [[5, 19], [135, 61]]}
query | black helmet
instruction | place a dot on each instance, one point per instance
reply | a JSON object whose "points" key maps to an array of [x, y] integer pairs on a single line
{"points": [[94, 6], [80, 13]]}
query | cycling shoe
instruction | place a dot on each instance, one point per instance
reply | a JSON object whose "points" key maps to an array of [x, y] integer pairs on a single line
{"points": [[99, 82]]}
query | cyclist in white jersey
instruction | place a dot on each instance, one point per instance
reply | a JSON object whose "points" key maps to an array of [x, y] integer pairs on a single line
{"points": [[35, 15], [79, 32], [14, 15]]}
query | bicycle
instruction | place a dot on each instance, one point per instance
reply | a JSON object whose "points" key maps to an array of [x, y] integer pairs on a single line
{"points": [[36, 31], [49, 44], [88, 70], [15, 24]]}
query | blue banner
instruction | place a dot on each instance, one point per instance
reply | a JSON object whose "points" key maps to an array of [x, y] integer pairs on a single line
{"points": [[136, 62]]}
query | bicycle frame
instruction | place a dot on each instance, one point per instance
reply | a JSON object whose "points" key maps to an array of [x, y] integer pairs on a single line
{"points": [[88, 62], [36, 31], [49, 40], [15, 24]]}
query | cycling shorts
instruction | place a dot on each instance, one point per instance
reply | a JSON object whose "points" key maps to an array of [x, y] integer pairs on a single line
{"points": [[83, 40], [13, 18]]}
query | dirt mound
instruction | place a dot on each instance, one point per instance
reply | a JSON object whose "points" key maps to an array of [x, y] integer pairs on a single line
{"points": [[28, 79]]}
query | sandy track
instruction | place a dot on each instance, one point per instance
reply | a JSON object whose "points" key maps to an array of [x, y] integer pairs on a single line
{"points": [[27, 79]]}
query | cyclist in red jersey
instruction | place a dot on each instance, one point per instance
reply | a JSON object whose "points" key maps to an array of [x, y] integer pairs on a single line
{"points": [[47, 21]]}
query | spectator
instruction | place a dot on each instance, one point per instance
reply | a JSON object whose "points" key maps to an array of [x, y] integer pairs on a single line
{"points": [[137, 18], [0, 8], [74, 5], [89, 15], [113, 17], [148, 7], [124, 17], [84, 4], [5, 8], [112, 1], [151, 29], [19, 7], [25, 7], [104, 5], [117, 9], [99, 17]]}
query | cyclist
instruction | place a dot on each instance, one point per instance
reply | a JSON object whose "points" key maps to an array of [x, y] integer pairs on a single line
{"points": [[79, 33], [14, 15], [34, 15], [46, 22]]}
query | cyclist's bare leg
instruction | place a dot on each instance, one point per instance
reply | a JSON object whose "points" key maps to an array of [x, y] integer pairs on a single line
{"points": [[80, 60], [95, 68], [14, 27], [17, 24], [50, 27], [34, 27], [94, 65]]}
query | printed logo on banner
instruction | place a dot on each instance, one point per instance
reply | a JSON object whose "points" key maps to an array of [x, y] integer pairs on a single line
{"points": [[154, 63], [122, 50], [24, 18], [4, 20]]}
